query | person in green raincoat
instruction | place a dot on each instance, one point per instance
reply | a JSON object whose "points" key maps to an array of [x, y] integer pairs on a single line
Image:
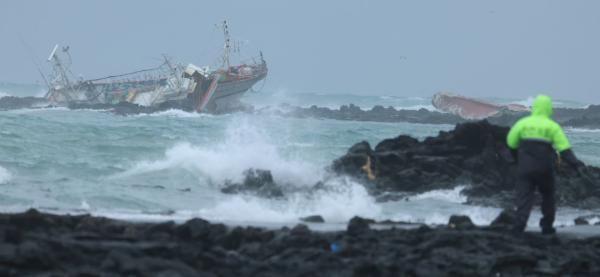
{"points": [[539, 142]]}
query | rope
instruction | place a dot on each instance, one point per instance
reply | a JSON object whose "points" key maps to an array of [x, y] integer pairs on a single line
{"points": [[126, 74]]}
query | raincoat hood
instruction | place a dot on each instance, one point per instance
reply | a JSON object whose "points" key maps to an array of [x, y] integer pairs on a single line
{"points": [[542, 106]]}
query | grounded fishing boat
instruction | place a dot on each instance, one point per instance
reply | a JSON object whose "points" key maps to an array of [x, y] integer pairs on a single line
{"points": [[470, 108], [202, 89]]}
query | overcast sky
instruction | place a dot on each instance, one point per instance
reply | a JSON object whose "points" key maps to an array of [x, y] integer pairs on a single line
{"points": [[404, 48]]}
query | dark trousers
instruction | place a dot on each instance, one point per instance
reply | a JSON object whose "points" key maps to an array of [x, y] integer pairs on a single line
{"points": [[528, 182]]}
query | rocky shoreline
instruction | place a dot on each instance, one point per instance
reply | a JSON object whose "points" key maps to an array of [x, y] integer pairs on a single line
{"points": [[36, 243], [473, 154], [578, 118]]}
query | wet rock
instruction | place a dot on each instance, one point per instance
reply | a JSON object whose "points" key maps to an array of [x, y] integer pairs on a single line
{"points": [[358, 225], [313, 219], [377, 113], [506, 220], [256, 181], [583, 117], [587, 219], [473, 153], [394, 222], [460, 222], [200, 248], [13, 102], [581, 221], [300, 230]]}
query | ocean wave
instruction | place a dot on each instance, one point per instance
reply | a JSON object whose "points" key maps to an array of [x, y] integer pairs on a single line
{"points": [[338, 205], [528, 102], [582, 130], [4, 94], [450, 195], [416, 107], [177, 113], [243, 147], [37, 110]]}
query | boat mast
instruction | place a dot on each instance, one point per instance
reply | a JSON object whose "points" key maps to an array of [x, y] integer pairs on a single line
{"points": [[227, 46], [61, 77]]}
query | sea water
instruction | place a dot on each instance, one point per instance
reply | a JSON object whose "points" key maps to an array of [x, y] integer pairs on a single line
{"points": [[171, 165]]}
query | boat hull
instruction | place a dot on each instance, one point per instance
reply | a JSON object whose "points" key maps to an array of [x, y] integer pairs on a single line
{"points": [[468, 108]]}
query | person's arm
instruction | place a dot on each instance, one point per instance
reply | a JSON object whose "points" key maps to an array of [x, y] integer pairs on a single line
{"points": [[563, 147], [569, 157]]}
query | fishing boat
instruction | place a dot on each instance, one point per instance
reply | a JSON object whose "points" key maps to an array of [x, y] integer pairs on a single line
{"points": [[203, 89]]}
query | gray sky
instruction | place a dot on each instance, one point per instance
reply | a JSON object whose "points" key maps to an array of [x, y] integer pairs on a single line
{"points": [[404, 48]]}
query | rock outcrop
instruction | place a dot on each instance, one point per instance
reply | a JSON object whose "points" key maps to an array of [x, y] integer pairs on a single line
{"points": [[473, 154], [257, 182], [13, 102], [583, 117]]}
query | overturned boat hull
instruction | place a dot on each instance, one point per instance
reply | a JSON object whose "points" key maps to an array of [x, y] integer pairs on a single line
{"points": [[471, 109]]}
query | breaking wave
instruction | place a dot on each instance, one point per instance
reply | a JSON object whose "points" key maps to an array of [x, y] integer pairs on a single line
{"points": [[346, 200], [450, 195], [243, 147], [582, 130], [416, 107], [177, 113], [4, 94]]}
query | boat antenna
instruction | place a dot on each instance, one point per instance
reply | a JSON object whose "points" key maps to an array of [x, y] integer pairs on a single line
{"points": [[227, 46], [172, 70]]}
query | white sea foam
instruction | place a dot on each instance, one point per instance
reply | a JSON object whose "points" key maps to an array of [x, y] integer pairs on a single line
{"points": [[85, 206], [526, 102], [5, 175], [36, 110], [345, 200], [416, 107], [582, 130], [177, 113], [450, 195], [342, 200], [243, 147], [4, 94]]}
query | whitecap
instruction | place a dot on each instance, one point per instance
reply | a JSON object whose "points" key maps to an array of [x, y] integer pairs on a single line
{"points": [[177, 113], [5, 175], [450, 195]]}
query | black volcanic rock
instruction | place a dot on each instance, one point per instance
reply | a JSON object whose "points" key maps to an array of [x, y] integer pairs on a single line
{"points": [[54, 245], [473, 153], [588, 117], [313, 219], [256, 181], [460, 222], [582, 117], [585, 220], [358, 225], [13, 102], [377, 113]]}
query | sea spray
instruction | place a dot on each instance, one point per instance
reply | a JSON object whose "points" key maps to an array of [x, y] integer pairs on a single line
{"points": [[337, 203], [244, 146]]}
